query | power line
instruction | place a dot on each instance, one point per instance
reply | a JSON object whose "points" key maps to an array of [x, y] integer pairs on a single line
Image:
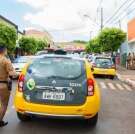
{"points": [[115, 13], [126, 15], [101, 18], [96, 24], [117, 17]]}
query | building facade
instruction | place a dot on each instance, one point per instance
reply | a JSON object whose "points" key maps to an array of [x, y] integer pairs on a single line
{"points": [[129, 45], [131, 36], [8, 22], [19, 33], [43, 35]]}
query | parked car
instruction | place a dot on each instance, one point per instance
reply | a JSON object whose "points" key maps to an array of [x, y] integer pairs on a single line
{"points": [[20, 62], [58, 86], [103, 66]]}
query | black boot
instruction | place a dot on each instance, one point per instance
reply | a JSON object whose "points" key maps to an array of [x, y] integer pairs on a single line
{"points": [[2, 123]]}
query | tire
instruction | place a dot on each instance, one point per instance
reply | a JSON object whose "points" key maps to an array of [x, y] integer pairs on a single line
{"points": [[23, 117], [112, 77], [92, 121]]}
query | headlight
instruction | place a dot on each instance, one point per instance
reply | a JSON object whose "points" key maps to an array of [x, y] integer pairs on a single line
{"points": [[31, 84]]}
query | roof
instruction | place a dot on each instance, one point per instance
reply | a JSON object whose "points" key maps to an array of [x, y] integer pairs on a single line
{"points": [[20, 32], [7, 20], [38, 34]]}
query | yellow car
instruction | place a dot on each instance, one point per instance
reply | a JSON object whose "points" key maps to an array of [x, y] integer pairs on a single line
{"points": [[103, 66], [57, 86]]}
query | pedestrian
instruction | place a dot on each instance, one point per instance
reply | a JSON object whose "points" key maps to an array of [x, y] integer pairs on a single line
{"points": [[129, 60], [133, 60], [6, 71]]}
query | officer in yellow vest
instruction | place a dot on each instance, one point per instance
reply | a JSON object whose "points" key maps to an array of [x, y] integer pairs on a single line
{"points": [[6, 71]]}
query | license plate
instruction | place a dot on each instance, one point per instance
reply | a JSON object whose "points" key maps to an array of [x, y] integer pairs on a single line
{"points": [[103, 71], [53, 96]]}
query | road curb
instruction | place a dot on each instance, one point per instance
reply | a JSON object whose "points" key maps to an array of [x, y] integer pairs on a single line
{"points": [[128, 81]]}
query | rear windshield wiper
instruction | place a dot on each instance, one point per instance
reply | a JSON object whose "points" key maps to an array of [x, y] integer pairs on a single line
{"points": [[55, 77]]}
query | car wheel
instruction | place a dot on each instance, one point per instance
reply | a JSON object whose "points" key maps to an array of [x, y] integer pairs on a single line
{"points": [[112, 77], [92, 121], [23, 117]]}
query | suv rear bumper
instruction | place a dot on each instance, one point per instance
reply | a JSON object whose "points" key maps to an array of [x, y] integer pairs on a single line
{"points": [[60, 116], [87, 110], [102, 71]]}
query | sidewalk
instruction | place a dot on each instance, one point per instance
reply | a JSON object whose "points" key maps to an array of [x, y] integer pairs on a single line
{"points": [[127, 76]]}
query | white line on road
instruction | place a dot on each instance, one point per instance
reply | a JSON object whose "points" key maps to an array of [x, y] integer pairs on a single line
{"points": [[102, 84], [119, 86], [127, 87], [111, 86]]}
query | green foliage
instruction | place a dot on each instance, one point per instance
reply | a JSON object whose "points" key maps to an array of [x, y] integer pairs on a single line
{"points": [[93, 46], [28, 45], [80, 41], [8, 36], [108, 40], [31, 45], [41, 44], [111, 38]]}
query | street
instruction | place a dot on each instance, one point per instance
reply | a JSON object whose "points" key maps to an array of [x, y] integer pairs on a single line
{"points": [[116, 115], [75, 65]]}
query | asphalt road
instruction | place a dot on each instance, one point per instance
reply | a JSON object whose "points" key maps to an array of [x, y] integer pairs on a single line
{"points": [[117, 115]]}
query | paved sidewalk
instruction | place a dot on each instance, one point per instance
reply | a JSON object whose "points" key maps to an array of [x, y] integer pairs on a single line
{"points": [[127, 76]]}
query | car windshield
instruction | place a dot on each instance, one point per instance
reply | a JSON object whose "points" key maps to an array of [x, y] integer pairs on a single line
{"points": [[103, 62], [57, 67]]}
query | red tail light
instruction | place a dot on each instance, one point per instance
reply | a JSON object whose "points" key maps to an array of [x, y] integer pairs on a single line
{"points": [[90, 83], [20, 83], [93, 65], [113, 67]]}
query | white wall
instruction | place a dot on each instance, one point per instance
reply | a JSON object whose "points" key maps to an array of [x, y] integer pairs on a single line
{"points": [[131, 47], [124, 48]]}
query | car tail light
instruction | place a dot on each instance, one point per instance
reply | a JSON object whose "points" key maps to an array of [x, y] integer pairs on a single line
{"points": [[90, 83], [113, 67], [21, 83], [93, 65]]}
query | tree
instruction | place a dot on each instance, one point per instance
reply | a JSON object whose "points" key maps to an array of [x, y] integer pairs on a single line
{"points": [[41, 44], [8, 36], [80, 41], [28, 45], [111, 38], [94, 46]]}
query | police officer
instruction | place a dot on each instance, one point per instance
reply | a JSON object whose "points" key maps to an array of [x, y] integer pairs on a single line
{"points": [[133, 60], [129, 61], [6, 71]]}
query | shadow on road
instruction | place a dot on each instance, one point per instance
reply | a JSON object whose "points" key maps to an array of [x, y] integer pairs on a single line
{"points": [[55, 126]]}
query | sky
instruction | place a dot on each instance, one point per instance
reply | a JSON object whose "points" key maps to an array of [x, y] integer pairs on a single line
{"points": [[68, 20]]}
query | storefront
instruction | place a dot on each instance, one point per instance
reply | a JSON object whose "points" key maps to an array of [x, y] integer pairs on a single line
{"points": [[129, 45]]}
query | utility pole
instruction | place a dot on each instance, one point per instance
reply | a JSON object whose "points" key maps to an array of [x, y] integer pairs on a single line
{"points": [[101, 18], [119, 24]]}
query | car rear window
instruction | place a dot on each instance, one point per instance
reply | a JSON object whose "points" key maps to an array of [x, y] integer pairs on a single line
{"points": [[103, 61], [57, 67]]}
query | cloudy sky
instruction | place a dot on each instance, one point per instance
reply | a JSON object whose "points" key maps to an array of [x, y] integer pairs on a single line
{"points": [[67, 20]]}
